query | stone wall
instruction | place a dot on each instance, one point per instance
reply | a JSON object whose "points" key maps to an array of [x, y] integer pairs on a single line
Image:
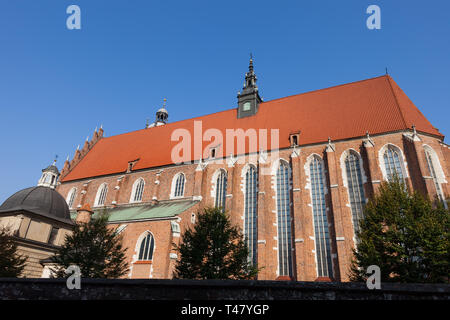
{"points": [[124, 289]]}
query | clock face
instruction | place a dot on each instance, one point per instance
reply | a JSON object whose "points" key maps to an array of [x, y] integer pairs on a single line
{"points": [[246, 106]]}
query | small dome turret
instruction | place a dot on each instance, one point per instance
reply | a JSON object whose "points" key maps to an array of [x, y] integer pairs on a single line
{"points": [[49, 176], [161, 116]]}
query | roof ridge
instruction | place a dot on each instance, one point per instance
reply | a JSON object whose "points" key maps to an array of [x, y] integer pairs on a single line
{"points": [[327, 88], [396, 100], [262, 103], [167, 124]]}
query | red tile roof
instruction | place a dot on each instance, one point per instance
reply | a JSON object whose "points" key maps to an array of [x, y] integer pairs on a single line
{"points": [[376, 105]]}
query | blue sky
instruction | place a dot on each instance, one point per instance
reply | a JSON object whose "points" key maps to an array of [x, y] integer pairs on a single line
{"points": [[57, 85]]}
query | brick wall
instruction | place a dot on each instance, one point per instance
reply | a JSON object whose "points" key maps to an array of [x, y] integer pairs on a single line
{"points": [[200, 182]]}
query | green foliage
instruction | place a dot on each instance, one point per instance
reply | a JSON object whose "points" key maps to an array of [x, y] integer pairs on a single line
{"points": [[11, 264], [406, 235], [96, 249], [214, 249]]}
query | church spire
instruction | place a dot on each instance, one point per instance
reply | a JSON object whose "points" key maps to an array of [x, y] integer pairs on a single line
{"points": [[249, 99], [250, 77]]}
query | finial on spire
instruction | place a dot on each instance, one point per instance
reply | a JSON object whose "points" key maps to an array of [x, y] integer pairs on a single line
{"points": [[164, 103], [387, 71], [56, 159]]}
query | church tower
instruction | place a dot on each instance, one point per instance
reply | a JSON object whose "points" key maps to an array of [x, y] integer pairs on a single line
{"points": [[249, 99]]}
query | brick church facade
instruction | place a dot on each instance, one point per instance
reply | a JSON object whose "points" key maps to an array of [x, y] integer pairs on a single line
{"points": [[296, 186]]}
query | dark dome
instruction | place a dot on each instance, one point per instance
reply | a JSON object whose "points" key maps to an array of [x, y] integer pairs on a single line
{"points": [[40, 200]]}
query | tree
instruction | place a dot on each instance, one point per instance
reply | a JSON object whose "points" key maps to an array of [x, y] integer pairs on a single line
{"points": [[96, 249], [11, 263], [214, 249], [406, 235]]}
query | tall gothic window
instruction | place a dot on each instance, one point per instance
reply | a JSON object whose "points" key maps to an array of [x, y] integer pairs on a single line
{"points": [[146, 247], [392, 163], [221, 190], [178, 187], [250, 212], [138, 190], [101, 195], [433, 166], [71, 197], [321, 230], [355, 187], [284, 220]]}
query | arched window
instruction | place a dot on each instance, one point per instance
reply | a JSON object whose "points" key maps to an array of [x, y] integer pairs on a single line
{"points": [[71, 197], [393, 163], [284, 220], [146, 247], [250, 212], [178, 185], [101, 195], [320, 219], [138, 190], [221, 190], [435, 172], [355, 187]]}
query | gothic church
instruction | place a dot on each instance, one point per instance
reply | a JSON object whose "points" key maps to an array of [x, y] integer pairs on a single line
{"points": [[298, 201]]}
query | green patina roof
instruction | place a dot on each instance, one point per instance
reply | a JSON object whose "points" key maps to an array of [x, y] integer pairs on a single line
{"points": [[142, 212]]}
